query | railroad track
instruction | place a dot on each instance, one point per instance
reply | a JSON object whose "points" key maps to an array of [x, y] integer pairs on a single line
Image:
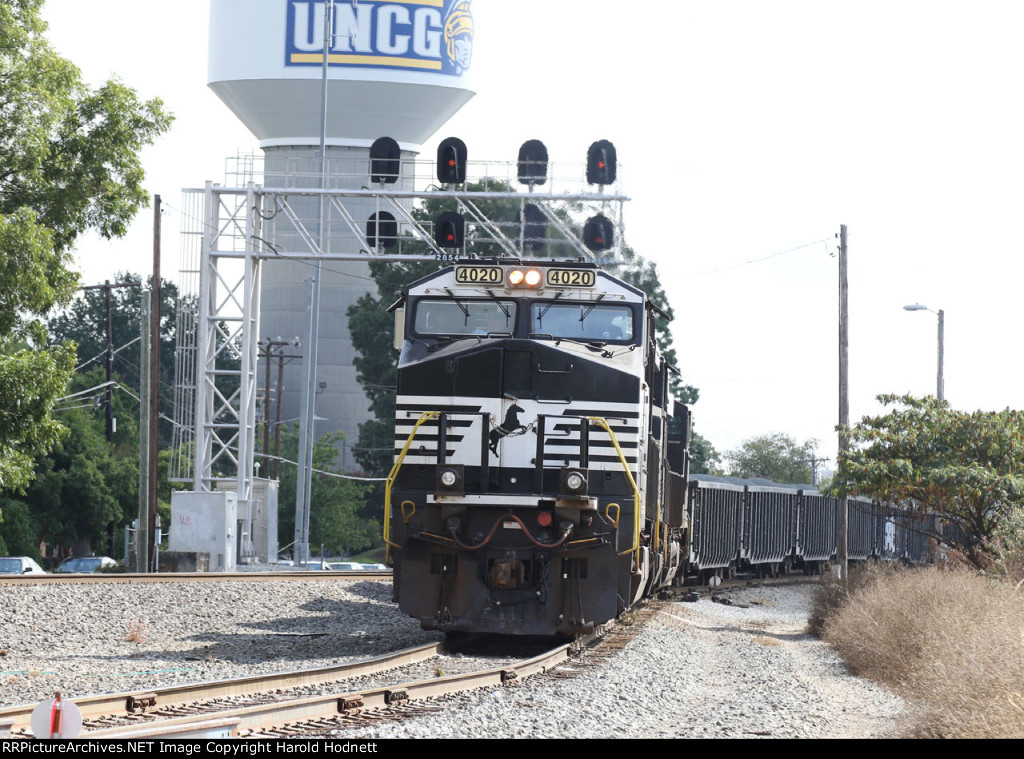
{"points": [[123, 577], [278, 706]]}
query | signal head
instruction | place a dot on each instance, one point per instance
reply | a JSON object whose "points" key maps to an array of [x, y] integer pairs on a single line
{"points": [[601, 163], [599, 233], [451, 161], [449, 230], [533, 163], [385, 160]]}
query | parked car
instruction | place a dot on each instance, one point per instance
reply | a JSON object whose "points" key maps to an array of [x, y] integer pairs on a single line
{"points": [[375, 568], [346, 566], [87, 564], [19, 565]]}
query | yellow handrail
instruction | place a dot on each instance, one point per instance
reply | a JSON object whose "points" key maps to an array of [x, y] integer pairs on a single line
{"points": [[632, 484], [388, 545], [607, 514]]}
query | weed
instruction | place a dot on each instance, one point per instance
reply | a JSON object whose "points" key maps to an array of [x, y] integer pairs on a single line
{"points": [[136, 631]]}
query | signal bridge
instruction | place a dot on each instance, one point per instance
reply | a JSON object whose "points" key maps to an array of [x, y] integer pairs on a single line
{"points": [[526, 208]]}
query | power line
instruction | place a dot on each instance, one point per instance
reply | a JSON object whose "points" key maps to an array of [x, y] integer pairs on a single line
{"points": [[763, 258]]}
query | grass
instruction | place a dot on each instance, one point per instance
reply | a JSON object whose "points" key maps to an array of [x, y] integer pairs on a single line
{"points": [[950, 640]]}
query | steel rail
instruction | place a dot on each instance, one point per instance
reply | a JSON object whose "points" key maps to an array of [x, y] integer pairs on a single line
{"points": [[284, 713], [122, 577], [93, 707]]}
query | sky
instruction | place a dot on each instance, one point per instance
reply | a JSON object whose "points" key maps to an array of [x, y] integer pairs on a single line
{"points": [[747, 132]]}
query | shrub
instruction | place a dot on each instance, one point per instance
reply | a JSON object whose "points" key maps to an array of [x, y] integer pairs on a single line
{"points": [[950, 640], [831, 597], [1006, 548]]}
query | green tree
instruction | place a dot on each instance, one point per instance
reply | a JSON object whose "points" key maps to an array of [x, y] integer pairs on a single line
{"points": [[82, 489], [966, 467], [84, 322], [704, 459], [334, 518], [777, 457], [68, 163], [17, 535], [85, 489]]}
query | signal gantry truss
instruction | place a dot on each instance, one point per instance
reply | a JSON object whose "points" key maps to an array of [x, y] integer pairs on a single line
{"points": [[230, 231]]}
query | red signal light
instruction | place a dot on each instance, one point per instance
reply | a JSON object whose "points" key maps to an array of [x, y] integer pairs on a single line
{"points": [[601, 163]]}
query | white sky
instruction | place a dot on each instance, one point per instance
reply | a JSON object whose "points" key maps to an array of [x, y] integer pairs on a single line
{"points": [[744, 129]]}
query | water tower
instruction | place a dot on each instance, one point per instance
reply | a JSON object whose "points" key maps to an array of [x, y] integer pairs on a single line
{"points": [[396, 69]]}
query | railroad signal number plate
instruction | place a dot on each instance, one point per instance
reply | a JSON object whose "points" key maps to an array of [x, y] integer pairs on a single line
{"points": [[479, 275], [571, 278]]}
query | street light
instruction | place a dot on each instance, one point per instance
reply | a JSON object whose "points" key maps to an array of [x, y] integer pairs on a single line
{"points": [[942, 325]]}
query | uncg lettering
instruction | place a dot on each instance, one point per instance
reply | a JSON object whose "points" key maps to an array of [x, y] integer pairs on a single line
{"points": [[382, 29]]}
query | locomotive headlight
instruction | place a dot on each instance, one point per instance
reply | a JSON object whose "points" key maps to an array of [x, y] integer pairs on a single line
{"points": [[524, 278], [574, 481], [449, 480]]}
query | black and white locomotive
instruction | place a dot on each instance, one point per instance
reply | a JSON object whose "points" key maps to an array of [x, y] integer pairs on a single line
{"points": [[539, 486], [541, 477]]}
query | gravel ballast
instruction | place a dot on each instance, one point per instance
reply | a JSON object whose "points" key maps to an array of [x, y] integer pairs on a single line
{"points": [[699, 669]]}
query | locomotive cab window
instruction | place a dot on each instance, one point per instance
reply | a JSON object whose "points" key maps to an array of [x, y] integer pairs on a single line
{"points": [[465, 317], [582, 321]]}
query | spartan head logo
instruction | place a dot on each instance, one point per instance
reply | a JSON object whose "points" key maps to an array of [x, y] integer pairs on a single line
{"points": [[458, 35], [509, 425]]}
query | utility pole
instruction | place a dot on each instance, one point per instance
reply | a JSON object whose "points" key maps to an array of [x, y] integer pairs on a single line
{"points": [[107, 287], [303, 480], [844, 399], [940, 389], [813, 461], [267, 351], [110, 366], [143, 533], [154, 382]]}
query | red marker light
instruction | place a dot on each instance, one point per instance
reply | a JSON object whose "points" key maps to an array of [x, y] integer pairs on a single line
{"points": [[544, 519]]}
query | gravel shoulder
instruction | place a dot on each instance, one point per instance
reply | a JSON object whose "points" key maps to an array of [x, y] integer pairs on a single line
{"points": [[697, 670], [702, 670]]}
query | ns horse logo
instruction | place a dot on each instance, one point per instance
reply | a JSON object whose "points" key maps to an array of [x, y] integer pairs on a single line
{"points": [[509, 425]]}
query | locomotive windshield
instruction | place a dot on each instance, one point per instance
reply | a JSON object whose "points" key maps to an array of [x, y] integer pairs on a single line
{"points": [[465, 317], [582, 321]]}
